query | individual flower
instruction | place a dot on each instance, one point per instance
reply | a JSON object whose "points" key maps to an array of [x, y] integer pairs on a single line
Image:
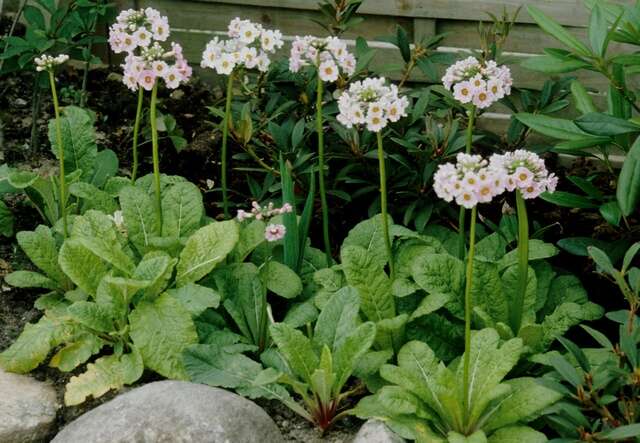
{"points": [[525, 171], [248, 45], [274, 232], [372, 102], [48, 62], [138, 33], [479, 83], [471, 180], [329, 55]]}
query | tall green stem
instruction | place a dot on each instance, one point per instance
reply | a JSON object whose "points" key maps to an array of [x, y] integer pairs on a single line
{"points": [[225, 136], [468, 308], [63, 184], [323, 194], [154, 147], [136, 129], [523, 263], [461, 217], [383, 203]]}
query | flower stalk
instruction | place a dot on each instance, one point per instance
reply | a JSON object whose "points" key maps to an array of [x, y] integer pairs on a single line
{"points": [[383, 203], [154, 148], [63, 185], [323, 193], [523, 263], [468, 308], [225, 137], [136, 129], [461, 218]]}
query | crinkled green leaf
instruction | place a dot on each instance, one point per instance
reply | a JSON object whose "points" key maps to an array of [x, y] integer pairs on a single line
{"points": [[510, 291], [564, 288], [77, 352], [161, 330], [82, 266], [486, 291], [6, 220], [207, 247], [353, 347], [250, 236], [93, 198], [440, 274], [157, 268], [368, 235], [182, 210], [537, 250], [338, 318], [40, 247], [140, 217], [444, 336], [195, 298], [29, 279], [296, 348], [31, 347], [116, 294], [78, 140], [517, 434], [106, 373], [280, 279]]}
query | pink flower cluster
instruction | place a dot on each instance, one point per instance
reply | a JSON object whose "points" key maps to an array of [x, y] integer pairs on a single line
{"points": [[138, 33], [524, 171], [248, 45], [477, 83], [372, 102], [328, 54], [273, 231]]}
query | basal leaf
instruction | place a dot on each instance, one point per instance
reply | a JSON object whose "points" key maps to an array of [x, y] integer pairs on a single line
{"points": [[157, 268], [182, 210], [296, 348], [207, 247], [78, 140], [77, 352], [161, 330], [517, 434], [30, 348], [40, 247], [29, 279], [280, 279], [195, 298], [352, 348], [92, 315], [368, 235], [140, 216], [82, 266], [338, 318]]}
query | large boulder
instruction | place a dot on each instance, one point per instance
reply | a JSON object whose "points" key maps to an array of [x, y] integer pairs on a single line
{"points": [[27, 409], [173, 412], [375, 431]]}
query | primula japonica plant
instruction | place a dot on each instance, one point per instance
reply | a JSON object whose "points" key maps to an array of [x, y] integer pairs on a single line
{"points": [[124, 286], [48, 63], [138, 33], [373, 103], [248, 46], [477, 85], [525, 173], [330, 58]]}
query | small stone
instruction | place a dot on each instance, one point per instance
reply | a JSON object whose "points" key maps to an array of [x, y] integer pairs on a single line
{"points": [[20, 102], [27, 408], [173, 411], [375, 431]]}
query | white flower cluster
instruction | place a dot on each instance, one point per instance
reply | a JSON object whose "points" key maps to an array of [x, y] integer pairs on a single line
{"points": [[371, 102], [47, 62], [249, 45], [480, 84], [137, 29], [524, 171], [328, 54], [470, 181], [138, 33], [273, 231]]}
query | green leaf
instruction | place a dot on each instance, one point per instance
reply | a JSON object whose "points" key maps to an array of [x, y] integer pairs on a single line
{"points": [[157, 268], [486, 292], [92, 315], [140, 217], [581, 98], [31, 347], [105, 374], [431, 303], [621, 433], [510, 290], [628, 189], [598, 30], [565, 316], [280, 279], [354, 346], [74, 354], [553, 127], [182, 210], [93, 198], [524, 403], [403, 43], [537, 250], [565, 369], [78, 140], [6, 220], [338, 318], [438, 273], [251, 235], [555, 30], [597, 123], [443, 335], [82, 266], [368, 235], [29, 279], [630, 255], [553, 65], [364, 273], [161, 330], [106, 167], [299, 314], [195, 298], [602, 259], [116, 294], [296, 348], [40, 247], [610, 211], [517, 434], [207, 247]]}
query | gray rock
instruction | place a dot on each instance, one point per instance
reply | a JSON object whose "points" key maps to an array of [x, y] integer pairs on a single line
{"points": [[27, 408], [375, 431], [173, 412]]}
